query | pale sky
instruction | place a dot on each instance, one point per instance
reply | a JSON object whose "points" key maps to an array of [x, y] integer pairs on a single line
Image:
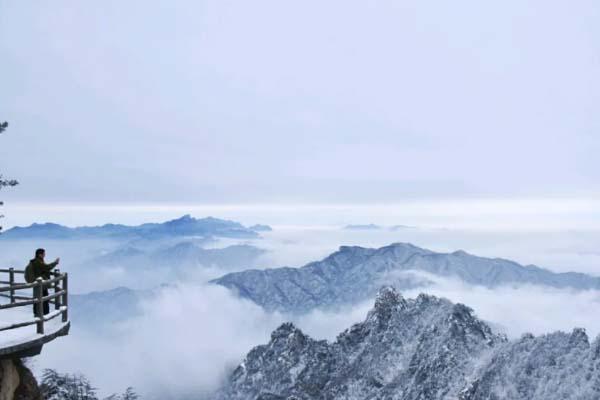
{"points": [[299, 101]]}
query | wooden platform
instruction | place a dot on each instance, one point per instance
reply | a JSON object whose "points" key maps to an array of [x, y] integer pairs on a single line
{"points": [[18, 339], [31, 346]]}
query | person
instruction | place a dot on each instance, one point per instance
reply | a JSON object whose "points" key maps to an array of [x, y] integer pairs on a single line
{"points": [[37, 268]]}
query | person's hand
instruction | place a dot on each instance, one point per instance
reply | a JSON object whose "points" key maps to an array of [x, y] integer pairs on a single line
{"points": [[57, 261]]}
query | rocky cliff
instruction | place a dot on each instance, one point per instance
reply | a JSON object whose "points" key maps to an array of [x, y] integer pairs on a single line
{"points": [[424, 348], [17, 382]]}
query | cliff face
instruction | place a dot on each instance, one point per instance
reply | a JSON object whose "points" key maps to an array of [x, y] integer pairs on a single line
{"points": [[17, 382], [426, 348]]}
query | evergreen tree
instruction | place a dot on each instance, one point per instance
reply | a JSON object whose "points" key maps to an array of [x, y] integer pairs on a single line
{"points": [[5, 182], [56, 386], [130, 394], [84, 389]]}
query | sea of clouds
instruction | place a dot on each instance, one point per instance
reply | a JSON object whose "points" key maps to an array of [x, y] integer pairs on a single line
{"points": [[191, 335]]}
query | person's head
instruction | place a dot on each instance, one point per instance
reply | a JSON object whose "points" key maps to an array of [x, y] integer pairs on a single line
{"points": [[40, 253]]}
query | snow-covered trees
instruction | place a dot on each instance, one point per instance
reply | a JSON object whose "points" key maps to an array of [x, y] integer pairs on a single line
{"points": [[57, 386], [129, 394], [423, 348]]}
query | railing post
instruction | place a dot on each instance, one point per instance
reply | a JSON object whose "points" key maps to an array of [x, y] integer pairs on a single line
{"points": [[56, 290], [11, 279], [40, 306], [65, 299]]}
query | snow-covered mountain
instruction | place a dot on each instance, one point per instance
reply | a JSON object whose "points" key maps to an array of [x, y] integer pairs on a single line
{"points": [[418, 349], [354, 274]]}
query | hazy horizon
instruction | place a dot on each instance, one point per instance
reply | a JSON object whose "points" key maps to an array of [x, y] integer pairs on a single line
{"points": [[550, 213]]}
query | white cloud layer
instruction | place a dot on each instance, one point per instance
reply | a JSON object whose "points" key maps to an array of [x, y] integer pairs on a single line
{"points": [[190, 337]]}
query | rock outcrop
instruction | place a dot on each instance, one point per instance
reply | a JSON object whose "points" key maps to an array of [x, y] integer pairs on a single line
{"points": [[17, 382], [417, 349]]}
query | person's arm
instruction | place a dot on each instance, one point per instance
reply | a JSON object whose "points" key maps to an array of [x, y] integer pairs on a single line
{"points": [[49, 267]]}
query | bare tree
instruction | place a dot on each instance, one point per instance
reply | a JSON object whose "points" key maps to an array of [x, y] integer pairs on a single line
{"points": [[5, 182]]}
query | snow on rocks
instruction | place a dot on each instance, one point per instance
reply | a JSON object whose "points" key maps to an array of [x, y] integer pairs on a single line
{"points": [[423, 348]]}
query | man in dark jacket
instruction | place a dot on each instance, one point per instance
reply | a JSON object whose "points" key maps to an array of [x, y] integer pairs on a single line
{"points": [[37, 268]]}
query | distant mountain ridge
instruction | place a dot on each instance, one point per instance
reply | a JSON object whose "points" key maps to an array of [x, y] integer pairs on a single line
{"points": [[261, 228], [354, 274], [362, 227], [374, 227], [184, 226], [185, 253], [418, 349]]}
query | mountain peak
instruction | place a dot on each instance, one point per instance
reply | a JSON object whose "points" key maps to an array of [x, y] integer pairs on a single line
{"points": [[579, 337], [387, 302], [424, 298], [405, 245], [403, 250], [429, 349], [187, 218], [286, 330], [388, 297], [350, 249], [460, 253]]}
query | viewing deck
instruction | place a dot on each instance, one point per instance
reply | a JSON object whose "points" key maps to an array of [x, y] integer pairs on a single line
{"points": [[18, 338]]}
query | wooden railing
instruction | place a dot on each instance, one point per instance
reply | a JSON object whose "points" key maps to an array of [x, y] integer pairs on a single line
{"points": [[58, 283]]}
